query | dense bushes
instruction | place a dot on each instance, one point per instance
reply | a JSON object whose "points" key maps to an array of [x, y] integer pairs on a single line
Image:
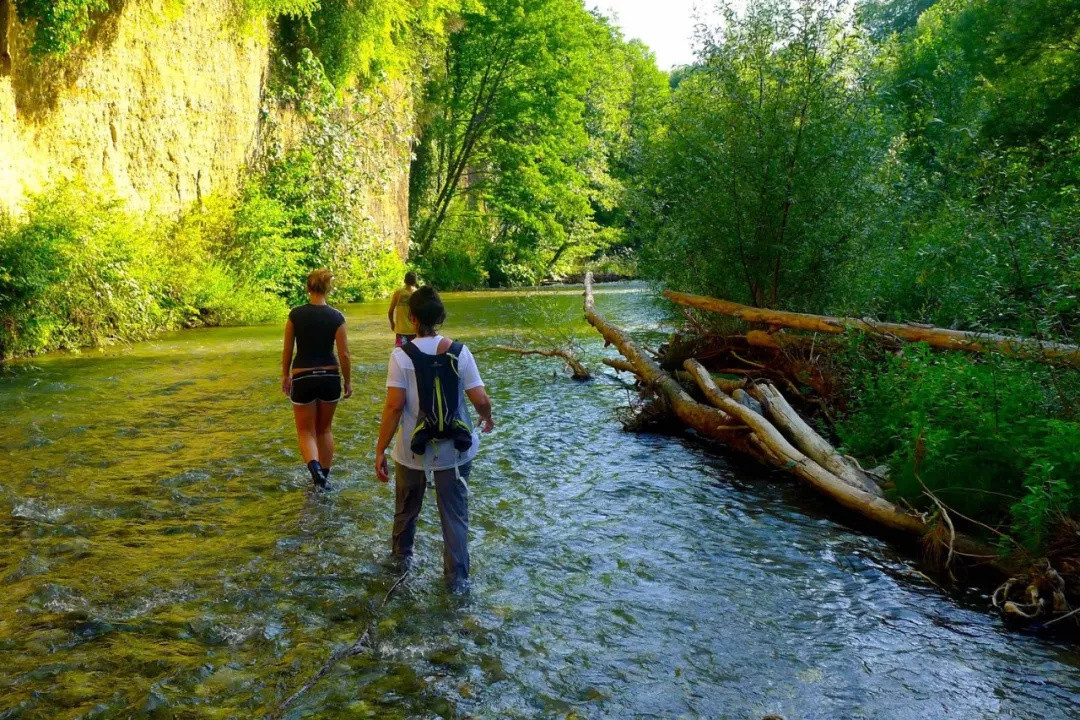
{"points": [[989, 436], [77, 269]]}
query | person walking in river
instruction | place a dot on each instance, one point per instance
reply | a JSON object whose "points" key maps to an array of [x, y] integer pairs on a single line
{"points": [[399, 310], [313, 378], [427, 381]]}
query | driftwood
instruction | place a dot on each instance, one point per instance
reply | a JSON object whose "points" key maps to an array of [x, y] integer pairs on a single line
{"points": [[709, 421], [788, 457], [579, 371], [728, 421], [682, 376], [941, 338], [810, 442]]}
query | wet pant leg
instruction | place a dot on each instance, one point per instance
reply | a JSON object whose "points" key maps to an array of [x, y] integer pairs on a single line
{"points": [[409, 497], [452, 494]]}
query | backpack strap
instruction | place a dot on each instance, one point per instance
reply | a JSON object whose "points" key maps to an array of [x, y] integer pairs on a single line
{"points": [[422, 368], [411, 350]]}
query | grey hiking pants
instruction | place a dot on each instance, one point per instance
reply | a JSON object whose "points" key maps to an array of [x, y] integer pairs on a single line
{"points": [[452, 496]]}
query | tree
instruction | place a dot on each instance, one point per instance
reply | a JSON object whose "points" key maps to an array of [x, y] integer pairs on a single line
{"points": [[536, 105], [759, 188]]}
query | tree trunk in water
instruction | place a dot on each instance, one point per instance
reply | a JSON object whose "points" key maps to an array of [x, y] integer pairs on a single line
{"points": [[808, 440], [788, 457]]}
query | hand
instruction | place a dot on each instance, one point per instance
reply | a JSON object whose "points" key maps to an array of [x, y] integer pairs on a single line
{"points": [[486, 424], [392, 326], [348, 390], [381, 470], [286, 384]]}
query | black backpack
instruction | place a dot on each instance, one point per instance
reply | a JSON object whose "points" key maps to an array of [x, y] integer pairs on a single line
{"points": [[439, 386]]}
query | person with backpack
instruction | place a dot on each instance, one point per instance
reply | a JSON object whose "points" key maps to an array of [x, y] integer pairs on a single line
{"points": [[427, 382]]}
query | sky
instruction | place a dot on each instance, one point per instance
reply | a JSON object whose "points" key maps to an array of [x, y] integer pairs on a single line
{"points": [[666, 26]]}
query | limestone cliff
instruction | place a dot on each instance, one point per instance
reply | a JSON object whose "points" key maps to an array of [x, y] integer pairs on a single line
{"points": [[164, 103]]}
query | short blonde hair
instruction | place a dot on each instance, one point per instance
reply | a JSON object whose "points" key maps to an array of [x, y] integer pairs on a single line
{"points": [[320, 281]]}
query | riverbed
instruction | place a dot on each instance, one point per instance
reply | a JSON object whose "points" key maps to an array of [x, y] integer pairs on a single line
{"points": [[163, 556]]}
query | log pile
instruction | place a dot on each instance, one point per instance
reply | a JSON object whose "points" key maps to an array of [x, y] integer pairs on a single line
{"points": [[741, 427], [753, 416]]}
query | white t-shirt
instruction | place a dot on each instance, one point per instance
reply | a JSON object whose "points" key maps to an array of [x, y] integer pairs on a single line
{"points": [[400, 373]]}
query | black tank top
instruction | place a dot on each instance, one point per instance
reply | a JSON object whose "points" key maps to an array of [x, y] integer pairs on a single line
{"points": [[315, 327]]}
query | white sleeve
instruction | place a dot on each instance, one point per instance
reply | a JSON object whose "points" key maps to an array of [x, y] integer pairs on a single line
{"points": [[395, 375], [470, 374]]}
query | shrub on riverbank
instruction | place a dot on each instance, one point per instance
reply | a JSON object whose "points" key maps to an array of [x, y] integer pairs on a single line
{"points": [[77, 269], [995, 439]]}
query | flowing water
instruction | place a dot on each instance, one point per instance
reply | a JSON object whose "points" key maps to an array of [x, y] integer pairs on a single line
{"points": [[162, 556]]}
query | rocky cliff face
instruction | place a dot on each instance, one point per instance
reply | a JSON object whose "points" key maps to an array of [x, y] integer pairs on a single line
{"points": [[163, 104]]}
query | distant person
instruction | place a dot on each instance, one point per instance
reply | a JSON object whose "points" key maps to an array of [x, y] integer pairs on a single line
{"points": [[399, 310], [313, 378], [427, 382]]}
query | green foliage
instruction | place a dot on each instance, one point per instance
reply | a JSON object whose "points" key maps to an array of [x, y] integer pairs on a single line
{"points": [[535, 115], [199, 284], [883, 18], [79, 270], [362, 40], [305, 208], [59, 25], [73, 272], [986, 435], [273, 8], [770, 163]]}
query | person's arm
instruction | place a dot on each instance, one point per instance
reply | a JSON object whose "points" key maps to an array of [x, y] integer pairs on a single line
{"points": [[344, 359], [479, 398], [393, 307], [391, 416], [286, 359], [474, 389]]}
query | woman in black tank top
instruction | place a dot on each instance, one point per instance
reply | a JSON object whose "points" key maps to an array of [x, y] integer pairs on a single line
{"points": [[314, 378]]}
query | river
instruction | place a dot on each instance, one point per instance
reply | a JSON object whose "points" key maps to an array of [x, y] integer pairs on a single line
{"points": [[162, 556]]}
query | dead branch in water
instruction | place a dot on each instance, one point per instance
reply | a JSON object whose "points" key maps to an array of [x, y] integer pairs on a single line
{"points": [[579, 371]]}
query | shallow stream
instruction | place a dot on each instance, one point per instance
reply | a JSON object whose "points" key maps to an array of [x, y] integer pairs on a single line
{"points": [[162, 556]]}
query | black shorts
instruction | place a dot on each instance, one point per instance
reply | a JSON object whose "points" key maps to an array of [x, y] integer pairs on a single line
{"points": [[311, 385]]}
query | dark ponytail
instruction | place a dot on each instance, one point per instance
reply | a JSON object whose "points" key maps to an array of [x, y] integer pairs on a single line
{"points": [[426, 306]]}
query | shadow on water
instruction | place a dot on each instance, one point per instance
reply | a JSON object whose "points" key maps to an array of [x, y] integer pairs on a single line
{"points": [[162, 556]]}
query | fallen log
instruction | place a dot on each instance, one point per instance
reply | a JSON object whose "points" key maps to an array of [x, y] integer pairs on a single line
{"points": [[941, 338], [579, 371], [810, 442], [682, 376], [709, 421], [792, 459], [717, 422]]}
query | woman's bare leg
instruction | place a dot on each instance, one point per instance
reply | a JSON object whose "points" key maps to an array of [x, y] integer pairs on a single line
{"points": [[305, 416], [324, 435]]}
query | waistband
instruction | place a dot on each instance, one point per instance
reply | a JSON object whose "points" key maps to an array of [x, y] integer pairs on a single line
{"points": [[316, 373]]}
